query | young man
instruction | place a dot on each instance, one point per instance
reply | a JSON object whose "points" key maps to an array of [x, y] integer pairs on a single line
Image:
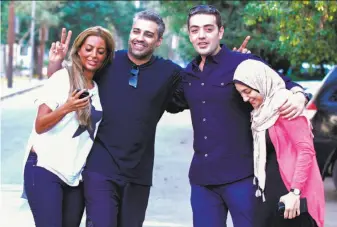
{"points": [[221, 172]]}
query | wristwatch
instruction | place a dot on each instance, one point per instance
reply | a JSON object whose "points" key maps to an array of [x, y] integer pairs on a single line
{"points": [[296, 191], [307, 96]]}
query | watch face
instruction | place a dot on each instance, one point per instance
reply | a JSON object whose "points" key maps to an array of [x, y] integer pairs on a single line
{"points": [[296, 191]]}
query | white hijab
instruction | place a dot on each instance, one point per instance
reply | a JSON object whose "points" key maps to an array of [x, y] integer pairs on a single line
{"points": [[271, 86]]}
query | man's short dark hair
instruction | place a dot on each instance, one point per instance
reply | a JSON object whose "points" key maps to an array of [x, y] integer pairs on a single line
{"points": [[204, 9], [151, 16]]}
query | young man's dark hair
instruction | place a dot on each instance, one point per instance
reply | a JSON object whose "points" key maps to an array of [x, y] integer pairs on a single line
{"points": [[204, 9]]}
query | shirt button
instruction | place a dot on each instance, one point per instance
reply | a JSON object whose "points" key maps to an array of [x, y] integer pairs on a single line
{"points": [[206, 155], [204, 119], [203, 102], [222, 84], [202, 84], [205, 137]]}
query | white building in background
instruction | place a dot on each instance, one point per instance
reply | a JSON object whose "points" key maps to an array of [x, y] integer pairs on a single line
{"points": [[21, 59]]}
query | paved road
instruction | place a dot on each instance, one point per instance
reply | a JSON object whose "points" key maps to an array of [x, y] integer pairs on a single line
{"points": [[169, 201]]}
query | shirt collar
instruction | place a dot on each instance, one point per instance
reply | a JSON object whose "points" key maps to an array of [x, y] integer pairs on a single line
{"points": [[152, 59], [211, 58]]}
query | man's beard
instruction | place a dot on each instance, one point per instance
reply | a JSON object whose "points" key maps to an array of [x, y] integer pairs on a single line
{"points": [[140, 56]]}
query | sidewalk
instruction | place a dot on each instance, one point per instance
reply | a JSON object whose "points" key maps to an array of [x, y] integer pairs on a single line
{"points": [[13, 208], [16, 212], [21, 84]]}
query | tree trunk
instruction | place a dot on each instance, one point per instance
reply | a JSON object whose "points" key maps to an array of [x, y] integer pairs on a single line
{"points": [[36, 58], [41, 50], [10, 41]]}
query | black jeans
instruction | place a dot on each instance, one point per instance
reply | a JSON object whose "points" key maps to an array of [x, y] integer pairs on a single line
{"points": [[52, 202], [266, 213], [112, 203]]}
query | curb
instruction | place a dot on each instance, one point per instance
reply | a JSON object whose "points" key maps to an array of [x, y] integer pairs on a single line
{"points": [[20, 92]]}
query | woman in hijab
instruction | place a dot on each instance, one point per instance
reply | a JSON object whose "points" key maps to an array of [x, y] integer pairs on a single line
{"points": [[285, 167]]}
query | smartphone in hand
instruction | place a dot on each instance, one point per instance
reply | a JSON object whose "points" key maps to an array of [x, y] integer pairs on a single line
{"points": [[303, 206], [84, 94]]}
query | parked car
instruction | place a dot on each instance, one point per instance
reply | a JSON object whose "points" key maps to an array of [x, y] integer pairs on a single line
{"points": [[311, 71], [324, 123]]}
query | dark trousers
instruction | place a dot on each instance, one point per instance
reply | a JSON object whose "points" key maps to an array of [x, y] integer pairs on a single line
{"points": [[266, 213], [112, 203], [52, 202], [210, 204]]}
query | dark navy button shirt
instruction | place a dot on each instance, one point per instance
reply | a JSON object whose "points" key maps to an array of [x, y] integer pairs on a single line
{"points": [[223, 142], [124, 144]]}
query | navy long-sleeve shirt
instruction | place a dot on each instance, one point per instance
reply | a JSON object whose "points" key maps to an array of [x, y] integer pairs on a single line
{"points": [[223, 142], [124, 144]]}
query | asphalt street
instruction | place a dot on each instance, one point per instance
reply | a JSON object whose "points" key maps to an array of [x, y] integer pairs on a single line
{"points": [[169, 201]]}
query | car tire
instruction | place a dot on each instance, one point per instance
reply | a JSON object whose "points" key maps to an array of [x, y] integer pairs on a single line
{"points": [[334, 173]]}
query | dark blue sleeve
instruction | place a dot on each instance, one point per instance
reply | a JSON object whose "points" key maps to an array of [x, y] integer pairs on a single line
{"points": [[177, 102], [289, 83], [101, 74]]}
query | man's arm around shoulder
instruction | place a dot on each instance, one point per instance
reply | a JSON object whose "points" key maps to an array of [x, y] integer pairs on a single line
{"points": [[177, 102]]}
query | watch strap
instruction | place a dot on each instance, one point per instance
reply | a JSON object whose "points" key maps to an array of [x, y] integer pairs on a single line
{"points": [[296, 191]]}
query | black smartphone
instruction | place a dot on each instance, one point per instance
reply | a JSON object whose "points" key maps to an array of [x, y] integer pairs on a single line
{"points": [[303, 206], [84, 94], [280, 208]]}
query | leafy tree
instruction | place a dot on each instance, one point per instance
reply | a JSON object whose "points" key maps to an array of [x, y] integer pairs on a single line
{"points": [[4, 21], [44, 16], [284, 33], [113, 15], [74, 15], [302, 31]]}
